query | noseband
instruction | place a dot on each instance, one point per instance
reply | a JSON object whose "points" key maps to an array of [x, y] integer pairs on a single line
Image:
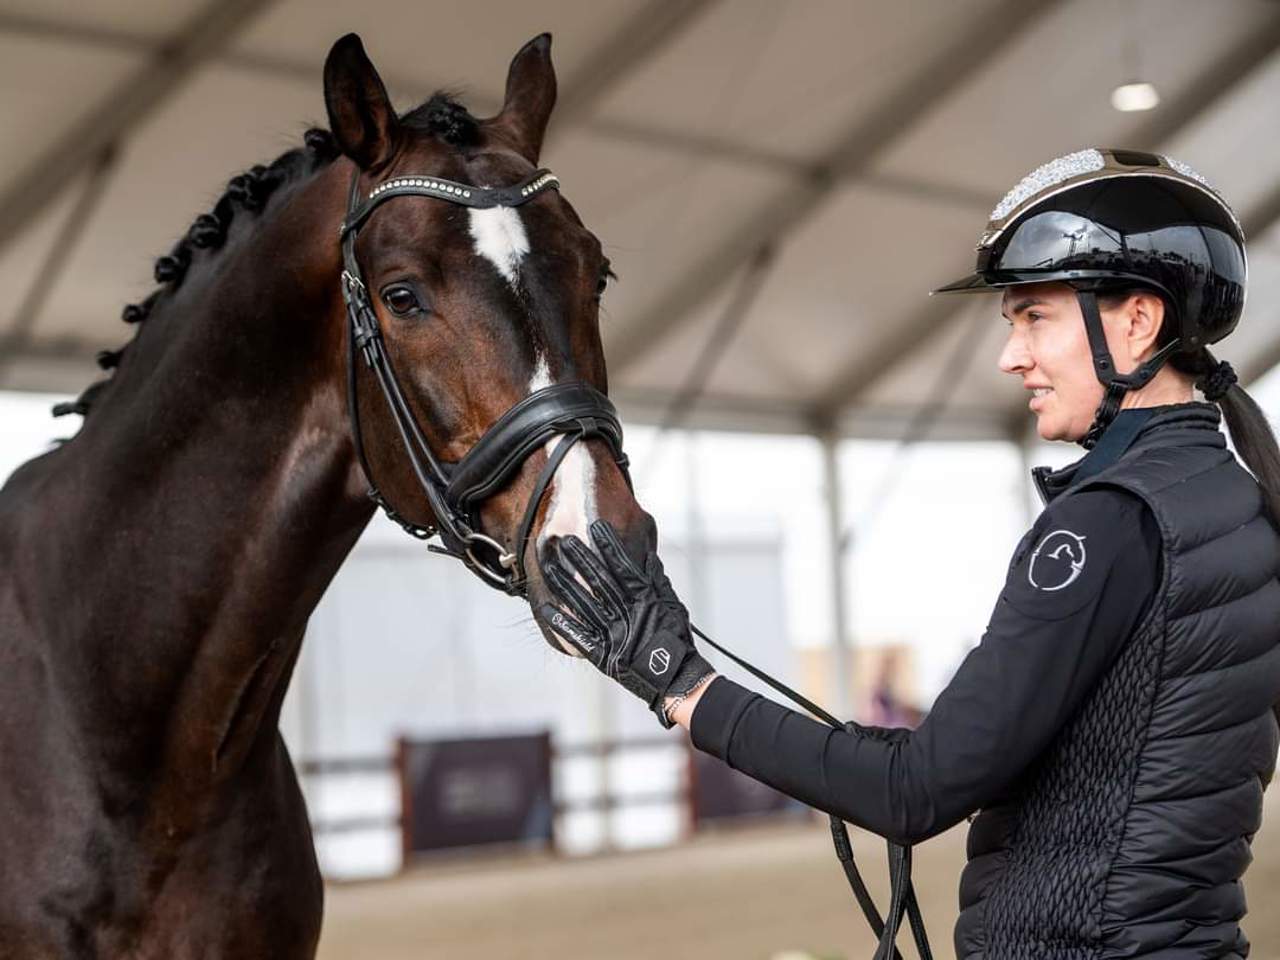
{"points": [[455, 491]]}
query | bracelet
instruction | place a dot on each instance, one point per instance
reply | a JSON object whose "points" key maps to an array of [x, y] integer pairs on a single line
{"points": [[669, 711]]}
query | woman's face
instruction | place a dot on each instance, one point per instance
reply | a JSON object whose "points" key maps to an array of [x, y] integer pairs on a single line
{"points": [[1049, 349]]}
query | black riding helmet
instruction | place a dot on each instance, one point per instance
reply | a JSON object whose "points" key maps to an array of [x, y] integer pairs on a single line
{"points": [[1113, 220]]}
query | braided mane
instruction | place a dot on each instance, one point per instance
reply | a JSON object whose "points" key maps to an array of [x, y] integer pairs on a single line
{"points": [[441, 116], [249, 192]]}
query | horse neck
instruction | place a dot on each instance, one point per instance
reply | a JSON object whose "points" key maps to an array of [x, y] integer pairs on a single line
{"points": [[212, 493]]}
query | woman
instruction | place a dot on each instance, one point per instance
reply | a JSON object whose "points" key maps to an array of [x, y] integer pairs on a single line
{"points": [[1114, 727]]}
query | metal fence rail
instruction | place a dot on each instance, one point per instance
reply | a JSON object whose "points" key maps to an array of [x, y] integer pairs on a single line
{"points": [[322, 768]]}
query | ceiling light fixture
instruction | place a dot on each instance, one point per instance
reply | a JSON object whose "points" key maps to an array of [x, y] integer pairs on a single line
{"points": [[1134, 96]]}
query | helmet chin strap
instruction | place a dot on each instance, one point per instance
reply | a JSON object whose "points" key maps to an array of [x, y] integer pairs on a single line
{"points": [[1116, 384]]}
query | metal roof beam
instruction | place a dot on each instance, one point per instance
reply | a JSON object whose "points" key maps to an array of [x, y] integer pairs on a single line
{"points": [[651, 28], [730, 412], [56, 259], [1259, 221], [69, 348], [1207, 92], [694, 145], [109, 119], [1262, 217], [773, 221], [771, 415], [36, 27], [1209, 88], [869, 366]]}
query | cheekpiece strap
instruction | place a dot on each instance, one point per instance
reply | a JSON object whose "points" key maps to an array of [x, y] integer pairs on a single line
{"points": [[464, 194]]}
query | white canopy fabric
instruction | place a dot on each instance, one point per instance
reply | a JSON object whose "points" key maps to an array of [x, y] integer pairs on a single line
{"points": [[777, 184]]}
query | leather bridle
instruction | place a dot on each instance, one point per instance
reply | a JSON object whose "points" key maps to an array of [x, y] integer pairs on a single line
{"points": [[454, 491], [573, 411]]}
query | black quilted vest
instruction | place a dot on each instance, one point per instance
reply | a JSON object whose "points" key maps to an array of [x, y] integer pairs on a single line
{"points": [[1129, 836]]}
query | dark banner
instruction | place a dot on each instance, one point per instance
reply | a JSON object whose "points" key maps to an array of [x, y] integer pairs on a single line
{"points": [[720, 793], [460, 793]]}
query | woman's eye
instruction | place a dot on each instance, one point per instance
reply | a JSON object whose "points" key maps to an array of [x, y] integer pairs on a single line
{"points": [[401, 300]]}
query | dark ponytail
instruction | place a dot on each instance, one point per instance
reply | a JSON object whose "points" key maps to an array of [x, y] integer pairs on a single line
{"points": [[1249, 429], [1251, 433], [1256, 443]]}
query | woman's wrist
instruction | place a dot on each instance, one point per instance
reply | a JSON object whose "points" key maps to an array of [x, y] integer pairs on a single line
{"points": [[680, 709]]}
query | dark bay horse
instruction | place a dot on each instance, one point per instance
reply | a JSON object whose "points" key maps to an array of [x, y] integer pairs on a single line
{"points": [[159, 568]]}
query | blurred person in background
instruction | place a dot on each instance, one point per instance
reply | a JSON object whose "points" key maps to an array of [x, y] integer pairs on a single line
{"points": [[888, 707], [1114, 729]]}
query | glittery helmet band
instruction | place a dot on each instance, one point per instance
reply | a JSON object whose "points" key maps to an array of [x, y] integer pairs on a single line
{"points": [[1084, 166]]}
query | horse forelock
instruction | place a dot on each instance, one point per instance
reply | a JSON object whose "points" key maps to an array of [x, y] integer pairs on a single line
{"points": [[445, 118]]}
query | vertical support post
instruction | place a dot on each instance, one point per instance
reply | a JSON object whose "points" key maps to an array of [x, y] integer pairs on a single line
{"points": [[842, 658], [603, 700], [1025, 440], [696, 544], [699, 600], [690, 818], [406, 802]]}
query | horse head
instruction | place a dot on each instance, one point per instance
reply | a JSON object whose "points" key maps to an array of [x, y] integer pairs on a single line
{"points": [[481, 288]]}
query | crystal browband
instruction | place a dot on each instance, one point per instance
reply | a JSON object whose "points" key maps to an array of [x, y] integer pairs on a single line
{"points": [[465, 194]]}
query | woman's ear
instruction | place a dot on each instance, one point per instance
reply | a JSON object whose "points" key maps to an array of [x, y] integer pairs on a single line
{"points": [[360, 113], [1146, 317], [531, 93]]}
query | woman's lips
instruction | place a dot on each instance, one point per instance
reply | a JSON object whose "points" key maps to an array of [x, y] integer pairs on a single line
{"points": [[1037, 397]]}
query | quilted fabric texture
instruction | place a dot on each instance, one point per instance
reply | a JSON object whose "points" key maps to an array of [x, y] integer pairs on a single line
{"points": [[1128, 838]]}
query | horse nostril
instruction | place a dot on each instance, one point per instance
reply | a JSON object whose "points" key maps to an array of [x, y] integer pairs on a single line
{"points": [[640, 536]]}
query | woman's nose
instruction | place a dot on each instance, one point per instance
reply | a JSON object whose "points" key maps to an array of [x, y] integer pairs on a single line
{"points": [[1015, 357]]}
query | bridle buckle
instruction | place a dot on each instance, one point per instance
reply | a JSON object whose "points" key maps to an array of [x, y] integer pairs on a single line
{"points": [[351, 283]]}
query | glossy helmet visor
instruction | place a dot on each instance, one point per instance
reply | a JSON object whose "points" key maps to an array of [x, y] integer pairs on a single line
{"points": [[1113, 220]]}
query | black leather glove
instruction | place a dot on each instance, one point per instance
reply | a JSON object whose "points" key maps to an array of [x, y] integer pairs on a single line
{"points": [[629, 623]]}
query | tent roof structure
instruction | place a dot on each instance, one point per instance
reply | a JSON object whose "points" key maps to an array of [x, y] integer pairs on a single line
{"points": [[778, 185]]}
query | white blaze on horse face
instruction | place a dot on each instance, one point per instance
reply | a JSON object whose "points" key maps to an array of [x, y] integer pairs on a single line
{"points": [[499, 237], [573, 490]]}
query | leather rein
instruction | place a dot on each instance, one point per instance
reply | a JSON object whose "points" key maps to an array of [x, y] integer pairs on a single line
{"points": [[572, 411]]}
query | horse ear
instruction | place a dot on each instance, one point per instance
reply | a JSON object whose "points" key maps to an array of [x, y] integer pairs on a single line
{"points": [[531, 93], [360, 112]]}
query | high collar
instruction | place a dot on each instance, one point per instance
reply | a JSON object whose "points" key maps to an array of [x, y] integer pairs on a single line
{"points": [[1131, 429]]}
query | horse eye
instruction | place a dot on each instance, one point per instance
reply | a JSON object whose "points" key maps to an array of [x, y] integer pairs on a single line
{"points": [[401, 300], [606, 274]]}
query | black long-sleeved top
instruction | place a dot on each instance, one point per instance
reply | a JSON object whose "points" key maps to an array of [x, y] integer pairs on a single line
{"points": [[1077, 587]]}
